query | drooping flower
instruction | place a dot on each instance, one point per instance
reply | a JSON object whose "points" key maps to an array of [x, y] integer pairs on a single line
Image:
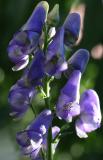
{"points": [[31, 139], [35, 72], [67, 34], [56, 47], [71, 29], [29, 142], [78, 61], [32, 142], [19, 99], [55, 58], [42, 123], [90, 114], [26, 40], [68, 103]]}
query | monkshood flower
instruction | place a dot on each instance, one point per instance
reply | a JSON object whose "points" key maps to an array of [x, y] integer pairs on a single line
{"points": [[90, 114], [42, 123], [31, 139], [56, 47], [55, 59], [71, 29], [30, 145], [32, 142], [67, 34], [26, 40], [19, 98], [78, 61], [55, 131], [35, 72], [68, 103]]}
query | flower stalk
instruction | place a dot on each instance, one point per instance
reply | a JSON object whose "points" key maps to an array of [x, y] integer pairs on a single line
{"points": [[49, 145], [45, 43], [49, 137], [47, 100]]}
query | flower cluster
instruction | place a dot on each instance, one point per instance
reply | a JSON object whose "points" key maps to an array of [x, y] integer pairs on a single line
{"points": [[44, 43]]}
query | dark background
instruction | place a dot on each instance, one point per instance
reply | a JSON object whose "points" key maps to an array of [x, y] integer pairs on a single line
{"points": [[13, 14]]}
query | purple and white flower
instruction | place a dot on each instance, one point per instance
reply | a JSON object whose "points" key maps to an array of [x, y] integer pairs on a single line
{"points": [[68, 103], [90, 114], [26, 40]]}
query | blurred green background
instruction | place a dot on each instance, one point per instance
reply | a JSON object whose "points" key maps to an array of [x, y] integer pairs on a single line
{"points": [[13, 14]]}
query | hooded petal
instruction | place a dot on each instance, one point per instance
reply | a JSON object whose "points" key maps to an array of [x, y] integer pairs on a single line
{"points": [[90, 117], [72, 28], [29, 146], [29, 137], [22, 44], [26, 40], [56, 47], [55, 59], [19, 99], [42, 123], [36, 70], [34, 73], [68, 102], [79, 60], [37, 19]]}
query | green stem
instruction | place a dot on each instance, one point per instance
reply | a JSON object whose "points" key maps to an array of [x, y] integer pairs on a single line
{"points": [[49, 137], [33, 110], [47, 100], [49, 144], [42, 154]]}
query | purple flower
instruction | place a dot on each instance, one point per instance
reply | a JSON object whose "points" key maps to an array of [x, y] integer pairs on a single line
{"points": [[42, 123], [21, 93], [78, 61], [30, 146], [38, 18], [31, 140], [55, 58], [35, 72], [71, 28], [20, 47], [19, 99], [56, 47], [68, 103], [26, 39], [90, 114]]}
